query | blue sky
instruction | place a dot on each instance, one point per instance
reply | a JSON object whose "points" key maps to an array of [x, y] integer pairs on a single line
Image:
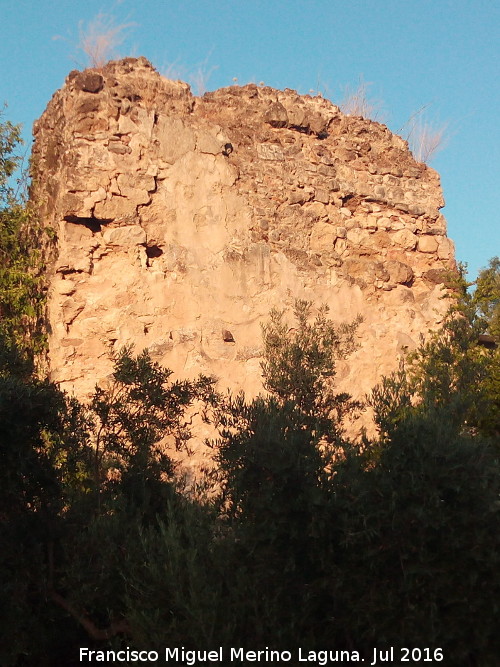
{"points": [[412, 53]]}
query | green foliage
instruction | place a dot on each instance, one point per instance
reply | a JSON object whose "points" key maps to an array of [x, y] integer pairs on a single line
{"points": [[486, 298], [32, 413], [129, 419], [421, 542], [390, 545], [22, 299], [451, 370], [264, 447], [127, 482], [432, 511], [10, 139], [486, 301], [308, 541], [79, 484], [284, 445], [299, 366], [276, 458], [176, 584]]}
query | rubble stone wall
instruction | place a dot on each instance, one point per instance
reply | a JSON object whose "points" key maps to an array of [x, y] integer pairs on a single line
{"points": [[181, 221]]}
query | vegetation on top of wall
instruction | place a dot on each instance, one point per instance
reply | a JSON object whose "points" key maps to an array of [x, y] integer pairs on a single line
{"points": [[425, 139], [357, 102], [100, 37]]}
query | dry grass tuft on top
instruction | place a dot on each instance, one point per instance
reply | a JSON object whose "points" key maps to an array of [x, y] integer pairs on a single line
{"points": [[426, 139], [197, 77], [356, 102], [99, 38]]}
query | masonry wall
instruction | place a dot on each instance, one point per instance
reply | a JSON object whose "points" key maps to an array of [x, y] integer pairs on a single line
{"points": [[181, 221]]}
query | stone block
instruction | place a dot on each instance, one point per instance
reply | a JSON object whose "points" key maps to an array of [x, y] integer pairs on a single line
{"points": [[270, 152], [427, 244], [114, 208], [129, 235], [405, 239], [208, 143], [399, 272], [322, 237], [366, 269], [89, 82], [380, 239], [298, 197], [446, 249], [322, 196], [276, 115], [436, 276], [174, 139], [358, 236]]}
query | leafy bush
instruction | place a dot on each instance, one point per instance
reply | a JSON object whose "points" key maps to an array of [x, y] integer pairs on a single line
{"points": [[22, 298], [32, 414], [299, 366], [421, 542], [486, 297], [452, 370], [67, 523]]}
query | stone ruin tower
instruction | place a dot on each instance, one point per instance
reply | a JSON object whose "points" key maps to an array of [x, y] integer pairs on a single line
{"points": [[181, 221]]}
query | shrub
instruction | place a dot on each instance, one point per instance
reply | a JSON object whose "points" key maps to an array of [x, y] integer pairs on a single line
{"points": [[420, 561], [22, 298], [299, 366]]}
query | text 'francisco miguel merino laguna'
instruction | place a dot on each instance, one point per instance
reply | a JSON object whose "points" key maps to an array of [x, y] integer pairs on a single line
{"points": [[182, 656]]}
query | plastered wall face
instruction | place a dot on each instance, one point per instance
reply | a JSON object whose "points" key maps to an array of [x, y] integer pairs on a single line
{"points": [[182, 221]]}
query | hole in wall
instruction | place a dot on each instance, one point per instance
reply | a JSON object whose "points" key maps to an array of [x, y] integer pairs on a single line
{"points": [[227, 336], [94, 224], [153, 251], [346, 199]]}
